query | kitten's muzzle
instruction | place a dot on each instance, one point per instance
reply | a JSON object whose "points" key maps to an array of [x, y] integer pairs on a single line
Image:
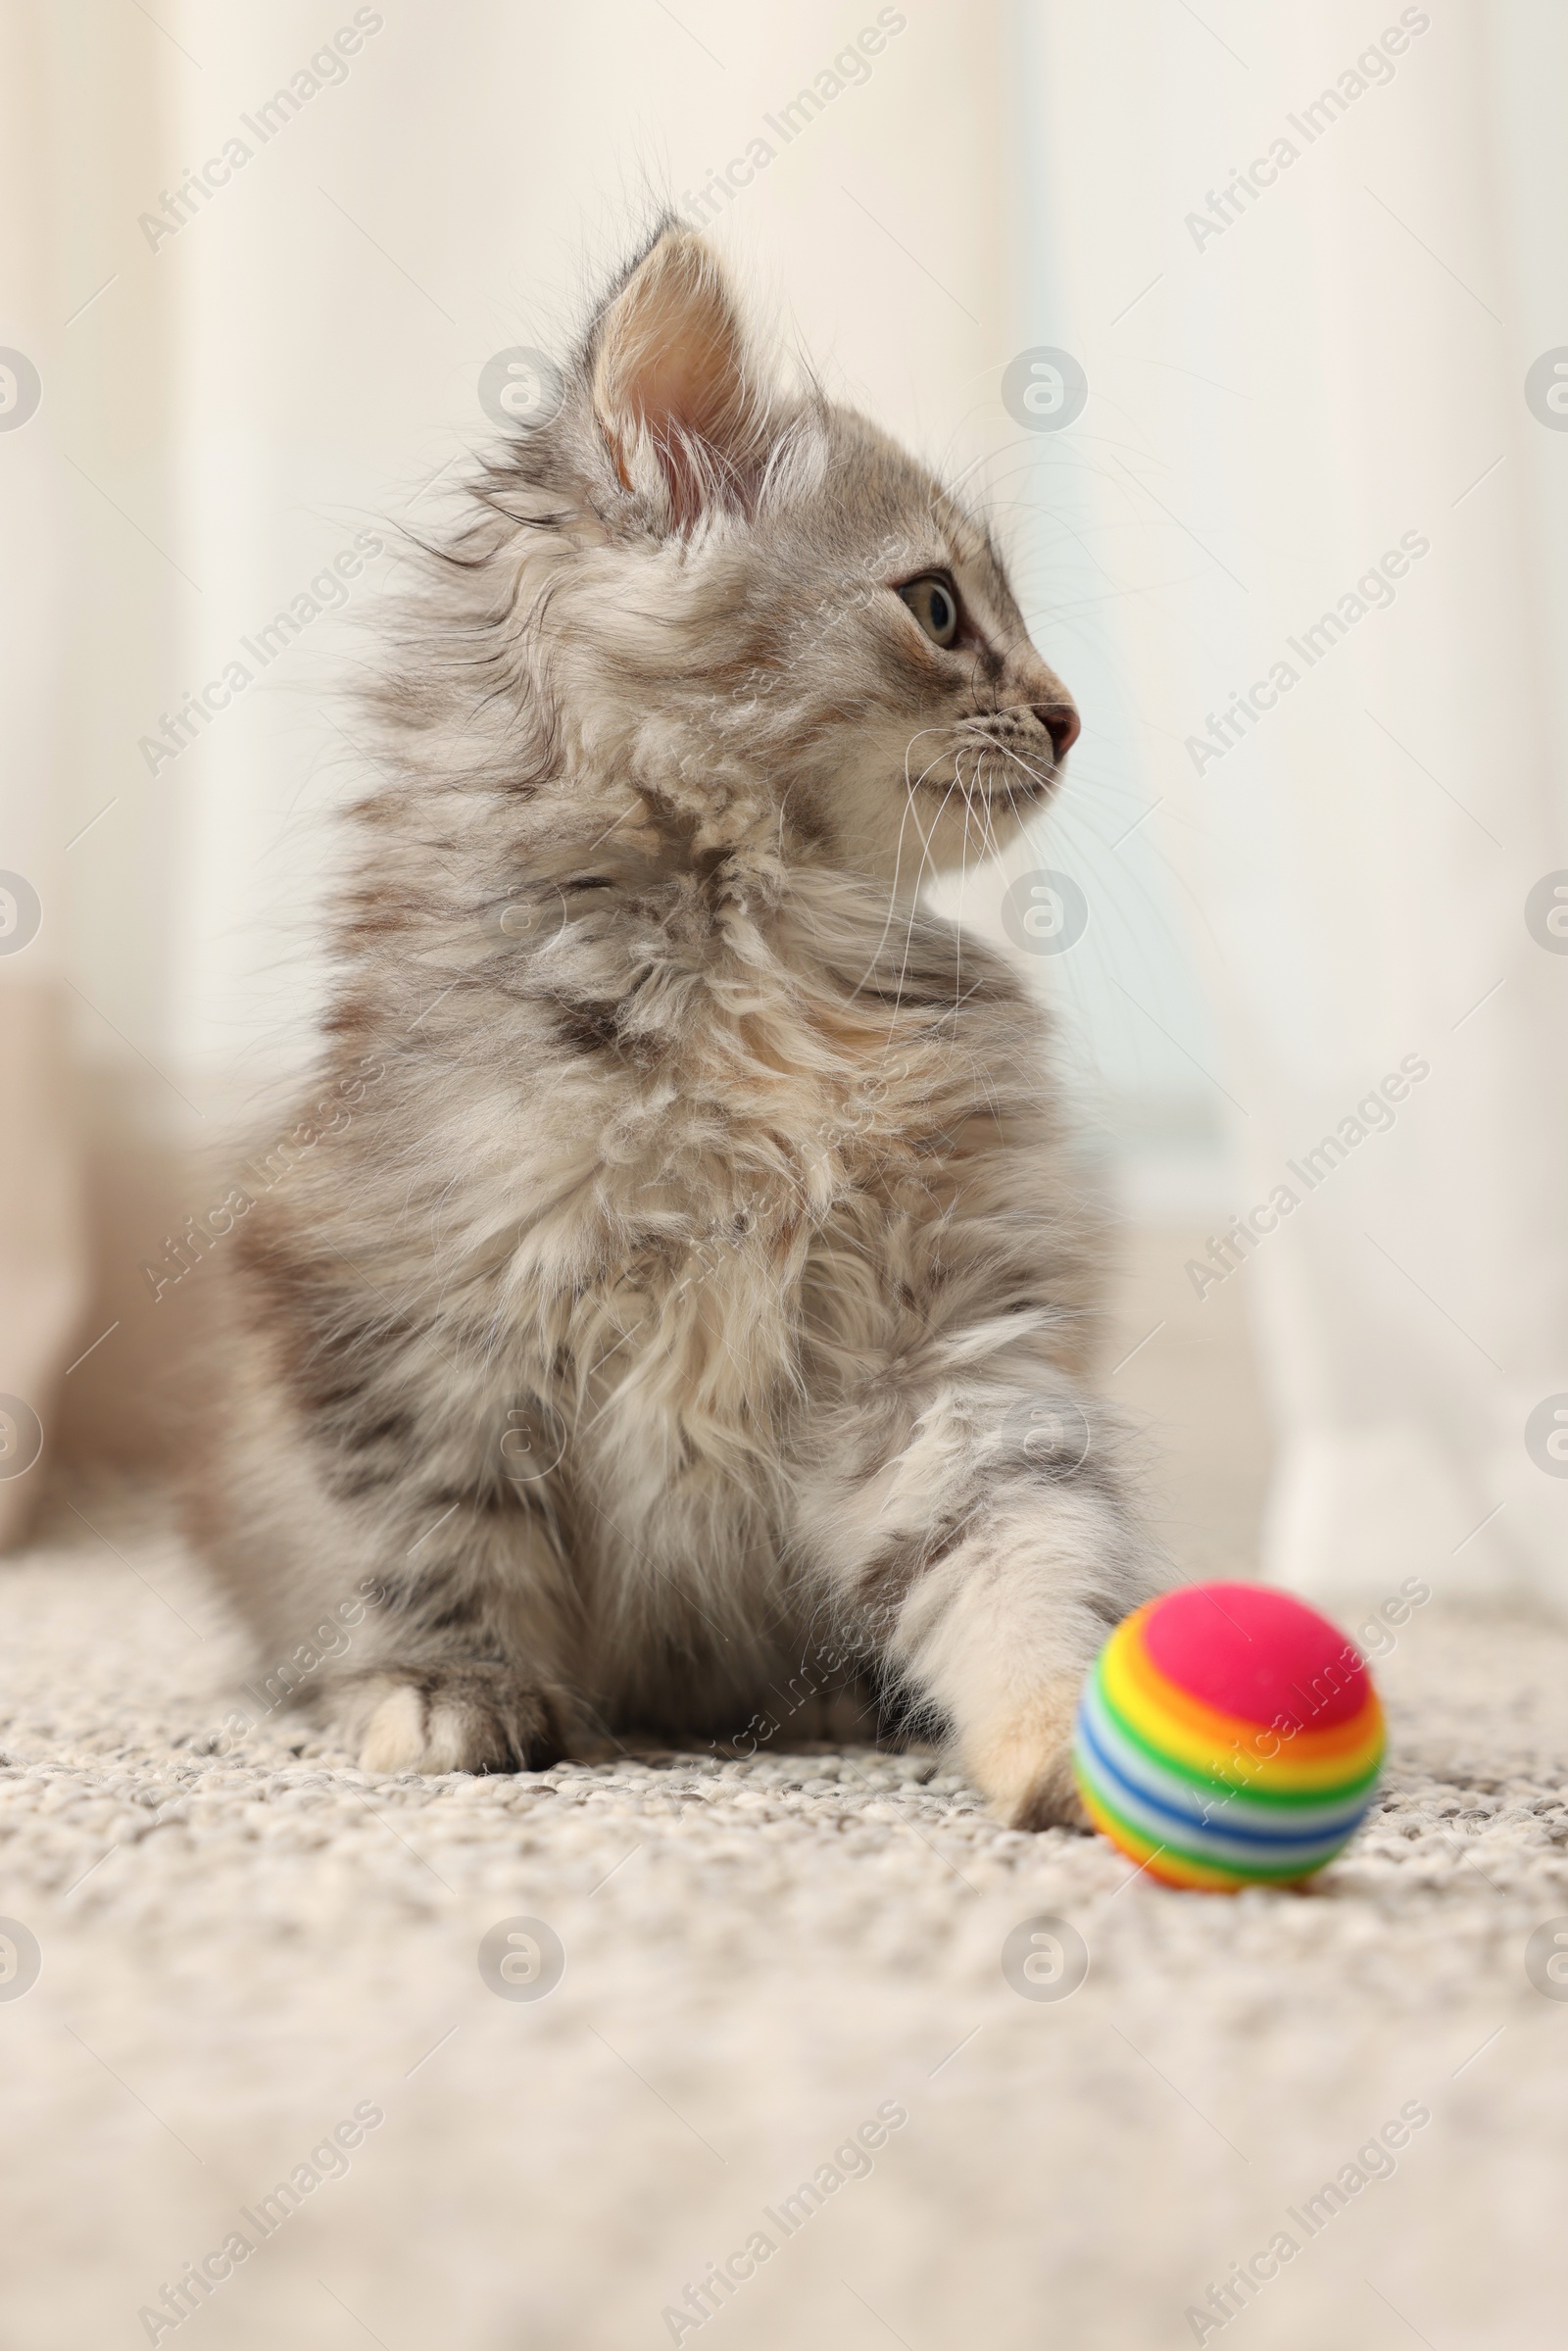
{"points": [[1061, 724]]}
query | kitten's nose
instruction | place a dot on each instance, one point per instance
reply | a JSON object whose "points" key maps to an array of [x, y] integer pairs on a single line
{"points": [[1062, 722]]}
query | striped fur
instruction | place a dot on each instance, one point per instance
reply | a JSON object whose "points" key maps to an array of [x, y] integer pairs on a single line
{"points": [[698, 1279]]}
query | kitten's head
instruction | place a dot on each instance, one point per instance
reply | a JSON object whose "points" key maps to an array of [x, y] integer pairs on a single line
{"points": [[754, 604]]}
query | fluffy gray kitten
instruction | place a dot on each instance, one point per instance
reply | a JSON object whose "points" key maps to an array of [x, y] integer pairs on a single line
{"points": [[689, 1273]]}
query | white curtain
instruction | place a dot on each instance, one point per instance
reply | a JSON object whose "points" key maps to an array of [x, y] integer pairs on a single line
{"points": [[42, 1253], [1294, 378], [241, 373]]}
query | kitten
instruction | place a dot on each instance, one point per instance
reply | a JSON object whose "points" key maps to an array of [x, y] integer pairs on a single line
{"points": [[690, 1266]]}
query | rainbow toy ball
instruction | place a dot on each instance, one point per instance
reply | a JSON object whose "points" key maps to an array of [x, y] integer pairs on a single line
{"points": [[1228, 1735]]}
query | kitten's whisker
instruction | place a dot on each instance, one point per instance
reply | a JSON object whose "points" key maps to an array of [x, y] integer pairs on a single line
{"points": [[1042, 781], [990, 834], [990, 845], [898, 859], [914, 902], [957, 933], [997, 710]]}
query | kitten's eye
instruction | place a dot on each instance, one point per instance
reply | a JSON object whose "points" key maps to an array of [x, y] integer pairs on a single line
{"points": [[934, 605]]}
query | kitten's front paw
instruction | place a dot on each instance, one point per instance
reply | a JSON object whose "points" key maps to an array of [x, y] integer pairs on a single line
{"points": [[1022, 1761], [451, 1718]]}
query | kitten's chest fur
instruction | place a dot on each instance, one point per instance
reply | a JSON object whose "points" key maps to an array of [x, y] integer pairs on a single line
{"points": [[777, 1149]]}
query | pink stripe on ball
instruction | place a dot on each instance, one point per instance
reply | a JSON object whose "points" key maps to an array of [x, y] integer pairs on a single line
{"points": [[1256, 1653]]}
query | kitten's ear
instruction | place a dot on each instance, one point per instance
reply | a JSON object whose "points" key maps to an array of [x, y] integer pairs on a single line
{"points": [[671, 381]]}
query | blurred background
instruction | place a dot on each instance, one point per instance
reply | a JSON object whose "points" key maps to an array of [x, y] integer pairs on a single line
{"points": [[1247, 324]]}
